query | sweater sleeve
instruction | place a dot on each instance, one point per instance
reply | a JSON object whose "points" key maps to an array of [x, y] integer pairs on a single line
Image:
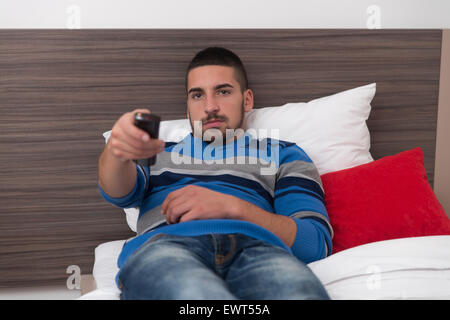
{"points": [[135, 197], [312, 242], [299, 195]]}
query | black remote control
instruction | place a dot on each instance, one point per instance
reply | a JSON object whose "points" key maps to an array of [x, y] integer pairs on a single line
{"points": [[150, 124]]}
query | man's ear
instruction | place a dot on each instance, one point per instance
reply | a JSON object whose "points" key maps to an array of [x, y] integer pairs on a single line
{"points": [[248, 100]]}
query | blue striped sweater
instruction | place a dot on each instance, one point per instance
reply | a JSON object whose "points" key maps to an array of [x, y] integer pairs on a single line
{"points": [[278, 176]]}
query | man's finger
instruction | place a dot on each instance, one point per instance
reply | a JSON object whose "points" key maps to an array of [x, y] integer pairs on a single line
{"points": [[135, 137], [131, 129], [126, 148], [188, 216], [171, 196], [177, 209]]}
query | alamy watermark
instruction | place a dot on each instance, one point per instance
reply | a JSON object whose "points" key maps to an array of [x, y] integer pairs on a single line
{"points": [[373, 281], [374, 18], [73, 20], [74, 280], [267, 155]]}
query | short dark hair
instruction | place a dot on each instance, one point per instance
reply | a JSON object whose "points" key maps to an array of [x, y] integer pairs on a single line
{"points": [[219, 56]]}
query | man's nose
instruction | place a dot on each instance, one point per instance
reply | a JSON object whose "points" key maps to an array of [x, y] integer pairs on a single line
{"points": [[211, 105]]}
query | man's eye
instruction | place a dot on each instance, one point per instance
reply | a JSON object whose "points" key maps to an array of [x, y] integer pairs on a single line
{"points": [[196, 95], [224, 91]]}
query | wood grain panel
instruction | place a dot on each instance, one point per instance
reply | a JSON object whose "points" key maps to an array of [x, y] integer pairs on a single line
{"points": [[442, 169], [60, 89]]}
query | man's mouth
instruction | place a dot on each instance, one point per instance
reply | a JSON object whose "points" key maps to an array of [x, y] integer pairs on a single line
{"points": [[213, 123]]}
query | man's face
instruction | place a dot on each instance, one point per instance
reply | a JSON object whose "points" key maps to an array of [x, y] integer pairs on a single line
{"points": [[215, 98]]}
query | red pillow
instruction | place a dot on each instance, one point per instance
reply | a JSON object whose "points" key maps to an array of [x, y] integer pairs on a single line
{"points": [[385, 199]]}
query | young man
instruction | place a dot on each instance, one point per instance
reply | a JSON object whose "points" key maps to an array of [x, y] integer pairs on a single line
{"points": [[223, 215]]}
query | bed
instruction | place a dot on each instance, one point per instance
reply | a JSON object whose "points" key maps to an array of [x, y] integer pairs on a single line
{"points": [[62, 89], [392, 269]]}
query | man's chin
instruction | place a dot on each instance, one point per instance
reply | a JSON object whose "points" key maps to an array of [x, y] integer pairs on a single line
{"points": [[223, 134]]}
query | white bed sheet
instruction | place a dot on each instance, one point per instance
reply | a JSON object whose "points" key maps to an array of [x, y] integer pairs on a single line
{"points": [[408, 268]]}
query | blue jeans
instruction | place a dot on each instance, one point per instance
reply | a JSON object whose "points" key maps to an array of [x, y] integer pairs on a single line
{"points": [[215, 266]]}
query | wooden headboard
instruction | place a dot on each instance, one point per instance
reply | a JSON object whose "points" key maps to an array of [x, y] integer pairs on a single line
{"points": [[61, 89]]}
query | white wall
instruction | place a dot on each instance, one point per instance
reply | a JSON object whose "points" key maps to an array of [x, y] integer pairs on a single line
{"points": [[224, 14]]}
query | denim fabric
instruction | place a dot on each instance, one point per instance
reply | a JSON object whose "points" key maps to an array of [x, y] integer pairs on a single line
{"points": [[215, 266]]}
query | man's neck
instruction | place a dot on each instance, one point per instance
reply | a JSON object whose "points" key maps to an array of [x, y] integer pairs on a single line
{"points": [[232, 136]]}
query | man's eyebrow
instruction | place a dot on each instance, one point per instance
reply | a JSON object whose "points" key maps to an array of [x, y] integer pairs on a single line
{"points": [[223, 85], [219, 86]]}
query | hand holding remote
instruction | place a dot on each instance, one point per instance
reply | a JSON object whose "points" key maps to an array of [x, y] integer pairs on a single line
{"points": [[129, 142], [150, 124]]}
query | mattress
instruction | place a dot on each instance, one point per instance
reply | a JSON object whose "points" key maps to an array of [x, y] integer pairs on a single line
{"points": [[407, 268]]}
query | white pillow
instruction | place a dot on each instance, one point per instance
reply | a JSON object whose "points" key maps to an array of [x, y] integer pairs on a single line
{"points": [[331, 130], [105, 263], [407, 268]]}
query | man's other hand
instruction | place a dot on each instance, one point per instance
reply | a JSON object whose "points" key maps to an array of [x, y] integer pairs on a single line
{"points": [[197, 203]]}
